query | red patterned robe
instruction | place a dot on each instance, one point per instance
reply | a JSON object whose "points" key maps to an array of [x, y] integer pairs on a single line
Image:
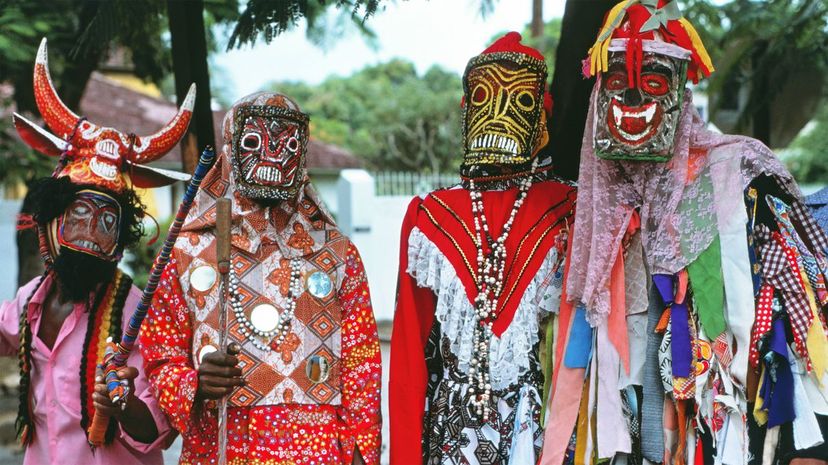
{"points": [[280, 416]]}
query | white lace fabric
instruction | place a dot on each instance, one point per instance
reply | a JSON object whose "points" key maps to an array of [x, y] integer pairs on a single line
{"points": [[509, 353], [682, 202]]}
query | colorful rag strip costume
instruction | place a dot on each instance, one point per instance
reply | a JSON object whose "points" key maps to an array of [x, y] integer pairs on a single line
{"points": [[481, 270], [696, 282], [312, 393]]}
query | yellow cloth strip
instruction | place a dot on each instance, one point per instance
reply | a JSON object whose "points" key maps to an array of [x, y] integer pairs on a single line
{"points": [[548, 363], [698, 46], [582, 427], [760, 415], [598, 51], [816, 343]]}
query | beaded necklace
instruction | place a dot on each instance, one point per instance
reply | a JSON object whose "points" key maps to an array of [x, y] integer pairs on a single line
{"points": [[489, 283], [265, 322]]}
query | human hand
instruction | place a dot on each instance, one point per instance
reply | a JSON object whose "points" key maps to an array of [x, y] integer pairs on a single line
{"points": [[218, 374], [100, 396]]}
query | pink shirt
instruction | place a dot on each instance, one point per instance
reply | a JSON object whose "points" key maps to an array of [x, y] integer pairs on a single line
{"points": [[59, 438]]}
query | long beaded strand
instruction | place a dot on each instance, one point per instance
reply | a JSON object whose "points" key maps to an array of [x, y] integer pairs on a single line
{"points": [[489, 281], [283, 328]]}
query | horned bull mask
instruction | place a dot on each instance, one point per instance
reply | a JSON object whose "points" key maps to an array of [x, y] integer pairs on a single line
{"points": [[95, 155]]}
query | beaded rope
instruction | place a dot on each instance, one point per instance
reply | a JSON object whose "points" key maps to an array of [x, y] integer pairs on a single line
{"points": [[131, 332], [278, 334], [489, 283], [124, 348]]}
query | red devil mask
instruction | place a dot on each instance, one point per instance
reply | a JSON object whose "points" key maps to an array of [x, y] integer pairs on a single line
{"points": [[644, 54], [95, 155], [89, 225]]}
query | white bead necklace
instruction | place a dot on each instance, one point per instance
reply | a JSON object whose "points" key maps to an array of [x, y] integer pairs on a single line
{"points": [[279, 332], [489, 282]]}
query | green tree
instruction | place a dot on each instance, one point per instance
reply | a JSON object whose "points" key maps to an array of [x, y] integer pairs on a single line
{"points": [[188, 26], [771, 60], [808, 153], [388, 115]]}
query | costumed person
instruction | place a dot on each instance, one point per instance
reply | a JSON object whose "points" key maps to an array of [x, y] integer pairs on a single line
{"points": [[696, 272], [302, 379], [59, 324], [480, 275]]}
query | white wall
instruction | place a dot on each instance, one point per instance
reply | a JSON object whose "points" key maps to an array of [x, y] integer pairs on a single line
{"points": [[326, 185], [8, 247], [373, 223], [380, 250]]}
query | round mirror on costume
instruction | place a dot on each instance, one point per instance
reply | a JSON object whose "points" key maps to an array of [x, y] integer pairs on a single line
{"points": [[319, 284]]}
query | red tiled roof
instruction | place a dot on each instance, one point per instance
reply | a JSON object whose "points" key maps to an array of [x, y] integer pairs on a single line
{"points": [[322, 155], [107, 102]]}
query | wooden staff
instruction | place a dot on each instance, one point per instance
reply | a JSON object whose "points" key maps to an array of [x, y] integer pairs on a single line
{"points": [[117, 358], [223, 207]]}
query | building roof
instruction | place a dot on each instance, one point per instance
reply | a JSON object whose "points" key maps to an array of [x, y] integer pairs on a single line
{"points": [[107, 101]]}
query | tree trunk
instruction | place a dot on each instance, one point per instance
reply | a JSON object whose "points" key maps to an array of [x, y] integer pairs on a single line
{"points": [[570, 91], [536, 26], [537, 18], [189, 54]]}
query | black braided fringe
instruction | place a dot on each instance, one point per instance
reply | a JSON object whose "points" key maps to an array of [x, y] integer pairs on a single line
{"points": [[23, 423]]}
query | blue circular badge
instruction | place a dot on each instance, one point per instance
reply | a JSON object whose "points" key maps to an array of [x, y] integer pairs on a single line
{"points": [[319, 284]]}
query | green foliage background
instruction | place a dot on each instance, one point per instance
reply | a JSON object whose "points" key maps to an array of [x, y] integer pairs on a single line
{"points": [[808, 153], [387, 114], [140, 258]]}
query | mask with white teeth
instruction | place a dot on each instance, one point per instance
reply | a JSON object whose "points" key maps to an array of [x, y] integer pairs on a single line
{"points": [[90, 225], [504, 121], [639, 122], [269, 144]]}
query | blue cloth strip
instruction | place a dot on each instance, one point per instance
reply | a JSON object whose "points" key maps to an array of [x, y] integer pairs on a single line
{"points": [[579, 345], [681, 347], [777, 389]]}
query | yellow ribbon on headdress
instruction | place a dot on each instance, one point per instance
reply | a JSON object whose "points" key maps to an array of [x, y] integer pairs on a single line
{"points": [[698, 46], [599, 51]]}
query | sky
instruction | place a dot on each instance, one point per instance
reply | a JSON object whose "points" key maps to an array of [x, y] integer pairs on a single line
{"points": [[427, 32]]}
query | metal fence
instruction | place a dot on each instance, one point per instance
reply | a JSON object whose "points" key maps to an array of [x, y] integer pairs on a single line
{"points": [[388, 183]]}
